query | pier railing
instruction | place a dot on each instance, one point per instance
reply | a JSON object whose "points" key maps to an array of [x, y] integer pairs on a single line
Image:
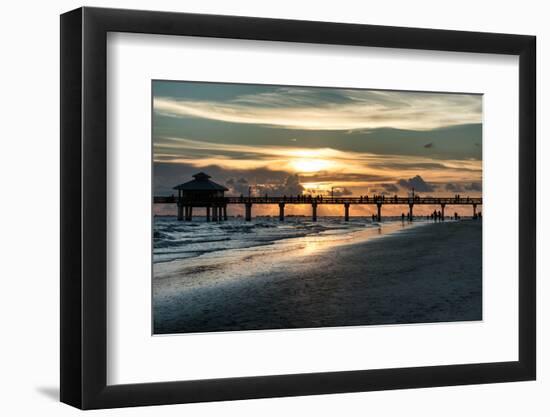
{"points": [[326, 200]]}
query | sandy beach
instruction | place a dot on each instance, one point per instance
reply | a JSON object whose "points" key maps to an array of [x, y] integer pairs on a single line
{"points": [[427, 272]]}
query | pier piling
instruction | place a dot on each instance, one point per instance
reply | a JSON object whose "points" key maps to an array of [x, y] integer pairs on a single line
{"points": [[379, 212], [314, 212], [281, 212], [411, 211], [248, 212], [346, 212], [189, 213]]}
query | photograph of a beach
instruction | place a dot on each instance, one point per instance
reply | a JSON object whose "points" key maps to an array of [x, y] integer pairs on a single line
{"points": [[292, 207]]}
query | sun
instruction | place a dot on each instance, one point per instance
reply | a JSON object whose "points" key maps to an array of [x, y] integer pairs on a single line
{"points": [[310, 164]]}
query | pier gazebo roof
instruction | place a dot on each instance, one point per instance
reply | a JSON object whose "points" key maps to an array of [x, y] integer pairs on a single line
{"points": [[201, 182]]}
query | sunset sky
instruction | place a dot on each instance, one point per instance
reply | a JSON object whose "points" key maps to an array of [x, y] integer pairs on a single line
{"points": [[284, 140]]}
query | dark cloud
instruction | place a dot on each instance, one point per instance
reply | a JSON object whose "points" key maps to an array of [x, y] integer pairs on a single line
{"points": [[418, 166], [453, 187], [474, 186], [417, 183], [237, 186], [392, 188], [428, 145], [168, 175], [290, 186]]}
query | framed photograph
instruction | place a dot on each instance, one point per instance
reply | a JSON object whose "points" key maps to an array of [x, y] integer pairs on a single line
{"points": [[257, 208]]}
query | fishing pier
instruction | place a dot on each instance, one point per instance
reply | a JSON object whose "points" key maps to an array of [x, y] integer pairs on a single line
{"points": [[204, 193]]}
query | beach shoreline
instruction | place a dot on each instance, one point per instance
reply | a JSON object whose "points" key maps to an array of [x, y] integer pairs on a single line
{"points": [[430, 272]]}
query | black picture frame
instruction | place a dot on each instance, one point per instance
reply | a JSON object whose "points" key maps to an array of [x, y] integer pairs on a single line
{"points": [[84, 207]]}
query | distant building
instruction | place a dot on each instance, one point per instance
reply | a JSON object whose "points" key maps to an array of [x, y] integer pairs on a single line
{"points": [[201, 192], [200, 189]]}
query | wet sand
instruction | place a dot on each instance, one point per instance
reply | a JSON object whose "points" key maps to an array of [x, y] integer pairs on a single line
{"points": [[420, 274]]}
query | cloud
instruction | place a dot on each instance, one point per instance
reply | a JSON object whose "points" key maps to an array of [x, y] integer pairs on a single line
{"points": [[421, 164], [390, 187], [474, 186], [453, 187], [311, 109], [290, 186], [237, 186], [428, 145], [341, 177], [417, 182], [341, 192], [312, 164]]}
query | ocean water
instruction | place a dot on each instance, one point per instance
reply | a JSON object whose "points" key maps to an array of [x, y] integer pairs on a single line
{"points": [[173, 239], [298, 274]]}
